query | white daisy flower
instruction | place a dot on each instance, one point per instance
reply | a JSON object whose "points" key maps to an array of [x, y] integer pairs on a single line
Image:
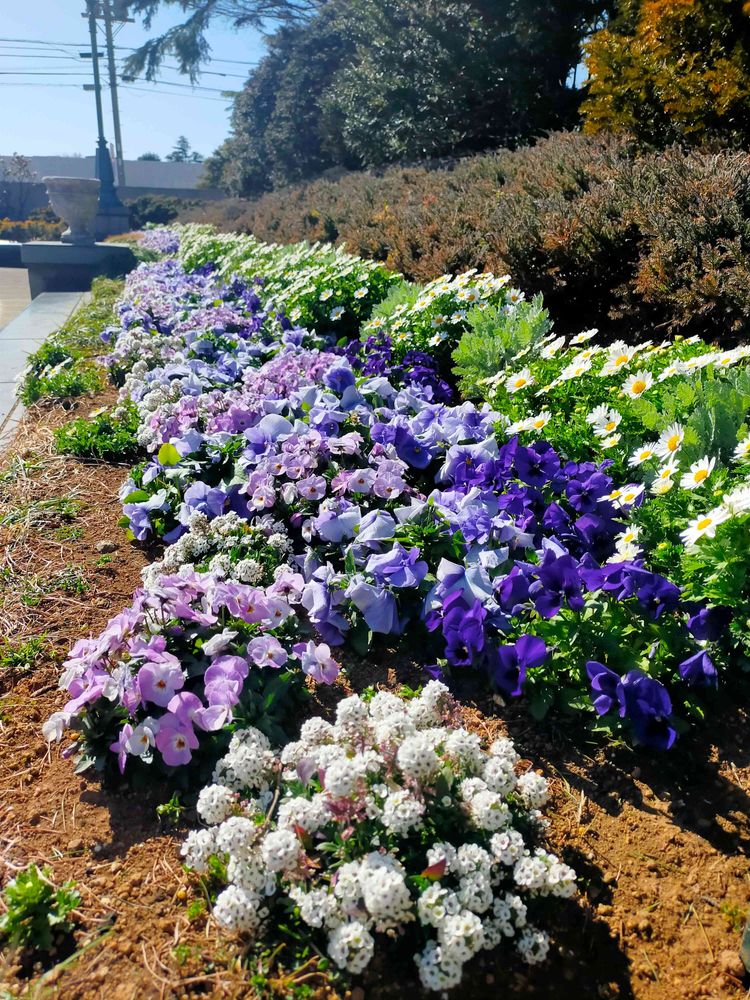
{"points": [[637, 384], [551, 349], [742, 451], [670, 441], [337, 313], [520, 426], [664, 480], [738, 501], [619, 356], [611, 441], [629, 536], [604, 420], [581, 338], [326, 294], [669, 371], [698, 474], [577, 367], [627, 551], [704, 526], [361, 292], [641, 455], [540, 421], [522, 380], [631, 493]]}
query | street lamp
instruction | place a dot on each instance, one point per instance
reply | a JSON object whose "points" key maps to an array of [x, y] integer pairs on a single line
{"points": [[112, 216]]}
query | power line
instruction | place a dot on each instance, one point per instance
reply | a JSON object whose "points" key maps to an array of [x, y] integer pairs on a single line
{"points": [[41, 72], [163, 93], [122, 48]]}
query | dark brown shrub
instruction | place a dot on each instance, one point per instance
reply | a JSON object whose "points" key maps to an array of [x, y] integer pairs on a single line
{"points": [[630, 243]]}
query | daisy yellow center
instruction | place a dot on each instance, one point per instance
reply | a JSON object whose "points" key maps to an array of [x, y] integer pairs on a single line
{"points": [[646, 453], [622, 360], [700, 475], [673, 442], [610, 425], [639, 386], [540, 422], [666, 473], [520, 383], [704, 523]]}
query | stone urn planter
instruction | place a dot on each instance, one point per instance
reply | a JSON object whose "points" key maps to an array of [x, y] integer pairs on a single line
{"points": [[75, 199]]}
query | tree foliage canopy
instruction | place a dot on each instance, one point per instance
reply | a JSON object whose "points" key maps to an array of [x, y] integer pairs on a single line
{"points": [[672, 70], [359, 83]]}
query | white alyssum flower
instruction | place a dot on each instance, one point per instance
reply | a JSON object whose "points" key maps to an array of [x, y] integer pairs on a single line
{"points": [[351, 946], [399, 766]]}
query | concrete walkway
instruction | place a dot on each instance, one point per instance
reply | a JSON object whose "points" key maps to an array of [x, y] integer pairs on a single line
{"points": [[14, 293], [24, 325]]}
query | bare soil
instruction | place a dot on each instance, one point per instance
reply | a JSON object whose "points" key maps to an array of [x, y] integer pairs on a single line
{"points": [[660, 843]]}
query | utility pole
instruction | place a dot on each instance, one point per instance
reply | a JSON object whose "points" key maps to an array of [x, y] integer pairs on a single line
{"points": [[108, 34]]}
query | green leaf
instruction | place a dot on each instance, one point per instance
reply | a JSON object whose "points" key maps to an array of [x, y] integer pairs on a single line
{"points": [[168, 455]]}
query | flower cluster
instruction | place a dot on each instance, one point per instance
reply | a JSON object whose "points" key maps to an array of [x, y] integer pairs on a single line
{"points": [[393, 821], [432, 317], [343, 481], [168, 675], [319, 287]]}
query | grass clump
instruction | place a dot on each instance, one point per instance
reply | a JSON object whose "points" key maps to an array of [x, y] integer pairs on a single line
{"points": [[37, 913], [23, 654], [64, 365], [108, 434]]}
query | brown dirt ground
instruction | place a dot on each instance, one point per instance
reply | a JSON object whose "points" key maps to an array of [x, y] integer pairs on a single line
{"points": [[660, 844]]}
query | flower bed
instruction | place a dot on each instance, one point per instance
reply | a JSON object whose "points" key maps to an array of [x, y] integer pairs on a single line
{"points": [[337, 478]]}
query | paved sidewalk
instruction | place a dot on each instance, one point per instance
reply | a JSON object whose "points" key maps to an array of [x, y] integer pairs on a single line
{"points": [[24, 325], [14, 293]]}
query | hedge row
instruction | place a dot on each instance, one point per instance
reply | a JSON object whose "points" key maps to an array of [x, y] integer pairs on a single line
{"points": [[609, 236]]}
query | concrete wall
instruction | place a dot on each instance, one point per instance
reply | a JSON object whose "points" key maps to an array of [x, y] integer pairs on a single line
{"points": [[151, 174], [22, 199], [177, 180]]}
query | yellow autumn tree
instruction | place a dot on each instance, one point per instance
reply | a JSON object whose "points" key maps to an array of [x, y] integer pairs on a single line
{"points": [[672, 70]]}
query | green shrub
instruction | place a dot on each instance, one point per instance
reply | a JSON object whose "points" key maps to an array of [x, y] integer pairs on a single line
{"points": [[108, 434], [37, 913], [494, 339], [155, 210]]}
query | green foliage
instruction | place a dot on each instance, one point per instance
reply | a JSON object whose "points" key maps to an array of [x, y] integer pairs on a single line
{"points": [[369, 82], [110, 434], [494, 339], [37, 912], [170, 812], [718, 570], [63, 366], [23, 654], [156, 210]]}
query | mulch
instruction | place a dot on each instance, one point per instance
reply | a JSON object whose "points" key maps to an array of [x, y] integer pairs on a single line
{"points": [[660, 843]]}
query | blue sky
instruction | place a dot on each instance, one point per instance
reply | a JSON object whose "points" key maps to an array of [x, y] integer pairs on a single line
{"points": [[56, 116]]}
